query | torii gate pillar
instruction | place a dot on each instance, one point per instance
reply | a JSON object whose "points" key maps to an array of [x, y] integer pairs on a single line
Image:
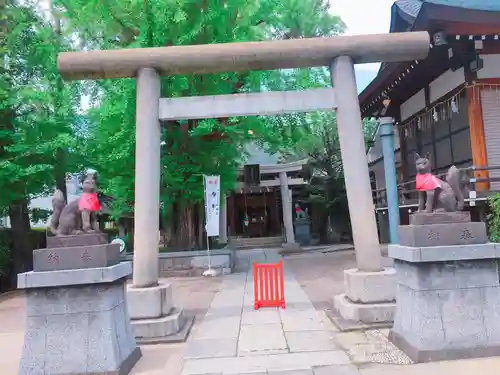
{"points": [[370, 290]]}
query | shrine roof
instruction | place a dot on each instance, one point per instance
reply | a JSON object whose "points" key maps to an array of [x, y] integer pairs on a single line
{"points": [[430, 16]]}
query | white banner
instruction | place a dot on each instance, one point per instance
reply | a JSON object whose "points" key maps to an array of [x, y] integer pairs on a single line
{"points": [[212, 204]]}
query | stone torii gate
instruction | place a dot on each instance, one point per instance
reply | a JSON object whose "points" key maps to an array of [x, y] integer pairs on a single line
{"points": [[150, 303]]}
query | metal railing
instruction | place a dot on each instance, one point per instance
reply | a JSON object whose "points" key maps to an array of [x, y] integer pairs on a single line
{"points": [[408, 195]]}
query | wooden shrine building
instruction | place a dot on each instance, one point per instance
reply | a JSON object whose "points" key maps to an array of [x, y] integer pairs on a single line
{"points": [[447, 105], [265, 201]]}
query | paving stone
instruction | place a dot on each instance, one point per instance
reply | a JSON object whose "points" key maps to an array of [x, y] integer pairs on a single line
{"points": [[211, 348], [385, 331], [308, 320], [292, 372], [336, 370], [299, 305], [310, 341], [261, 316], [221, 328], [227, 299], [257, 339], [241, 365], [349, 339], [222, 312]]}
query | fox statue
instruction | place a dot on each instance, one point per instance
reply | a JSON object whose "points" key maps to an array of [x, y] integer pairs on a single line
{"points": [[435, 194], [79, 216]]}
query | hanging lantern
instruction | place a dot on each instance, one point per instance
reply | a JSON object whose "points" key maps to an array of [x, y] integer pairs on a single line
{"points": [[435, 115], [454, 105]]}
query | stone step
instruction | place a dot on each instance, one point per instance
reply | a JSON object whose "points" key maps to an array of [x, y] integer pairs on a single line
{"points": [[257, 240], [243, 243]]}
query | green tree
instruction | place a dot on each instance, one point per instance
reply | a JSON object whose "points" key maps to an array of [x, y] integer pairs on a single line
{"points": [[36, 113], [314, 136]]}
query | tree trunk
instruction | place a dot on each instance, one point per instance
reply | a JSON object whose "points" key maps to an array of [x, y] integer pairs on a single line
{"points": [[184, 237], [60, 173], [201, 226], [21, 237]]}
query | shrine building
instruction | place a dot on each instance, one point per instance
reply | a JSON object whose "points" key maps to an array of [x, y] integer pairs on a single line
{"points": [[447, 105]]}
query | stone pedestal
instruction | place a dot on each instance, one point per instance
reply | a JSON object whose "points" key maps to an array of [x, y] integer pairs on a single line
{"points": [[77, 318], [368, 298], [290, 248], [303, 231], [448, 297], [77, 322], [154, 318]]}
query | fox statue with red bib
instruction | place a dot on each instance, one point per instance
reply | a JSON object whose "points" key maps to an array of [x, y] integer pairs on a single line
{"points": [[79, 216], [435, 194]]}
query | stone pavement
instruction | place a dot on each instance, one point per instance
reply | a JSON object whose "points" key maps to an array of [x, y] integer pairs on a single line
{"points": [[263, 342], [194, 294], [233, 338]]}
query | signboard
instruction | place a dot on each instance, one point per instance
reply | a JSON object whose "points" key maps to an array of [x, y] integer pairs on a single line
{"points": [[212, 204]]}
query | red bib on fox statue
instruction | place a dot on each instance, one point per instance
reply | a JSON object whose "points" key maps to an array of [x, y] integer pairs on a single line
{"points": [[426, 182], [89, 202]]}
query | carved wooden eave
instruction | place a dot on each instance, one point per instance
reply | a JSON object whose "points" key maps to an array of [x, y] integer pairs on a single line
{"points": [[462, 27]]}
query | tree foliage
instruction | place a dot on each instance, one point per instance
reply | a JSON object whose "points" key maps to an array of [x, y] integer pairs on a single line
{"points": [[36, 113], [44, 133], [314, 136]]}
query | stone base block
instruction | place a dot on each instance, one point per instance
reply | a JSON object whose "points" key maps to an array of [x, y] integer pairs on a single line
{"points": [[422, 356], [154, 319], [80, 329], [370, 287], [84, 239], [76, 257], [98, 275], [424, 218], [171, 328], [444, 253], [364, 313], [443, 234], [344, 325], [447, 309], [477, 273], [149, 303], [290, 246]]}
